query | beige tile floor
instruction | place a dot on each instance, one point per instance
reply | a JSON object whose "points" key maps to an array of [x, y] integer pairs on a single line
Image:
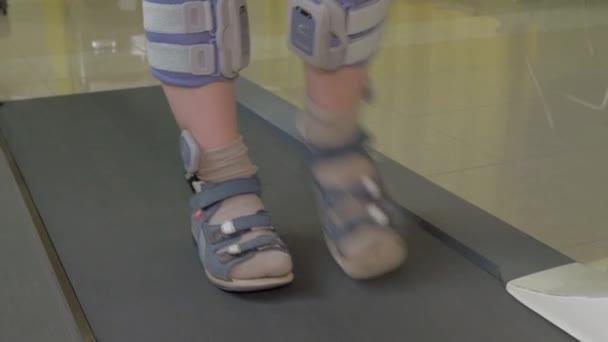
{"points": [[501, 102]]}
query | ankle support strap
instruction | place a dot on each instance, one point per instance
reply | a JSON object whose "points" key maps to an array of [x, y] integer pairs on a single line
{"points": [[237, 226], [356, 145], [210, 194]]}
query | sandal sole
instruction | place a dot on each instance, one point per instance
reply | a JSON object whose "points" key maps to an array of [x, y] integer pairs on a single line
{"points": [[250, 285]]}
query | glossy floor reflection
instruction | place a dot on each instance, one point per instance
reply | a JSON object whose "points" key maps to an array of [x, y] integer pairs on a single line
{"points": [[501, 102]]}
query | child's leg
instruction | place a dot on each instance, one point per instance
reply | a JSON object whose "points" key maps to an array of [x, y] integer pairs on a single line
{"points": [[208, 113], [186, 42], [338, 93], [356, 212]]}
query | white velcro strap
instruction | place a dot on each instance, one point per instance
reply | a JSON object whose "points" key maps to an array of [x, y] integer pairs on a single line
{"points": [[362, 48], [367, 16], [197, 59], [189, 17]]}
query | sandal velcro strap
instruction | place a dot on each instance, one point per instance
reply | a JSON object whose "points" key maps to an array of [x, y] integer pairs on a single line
{"points": [[333, 196], [374, 216], [237, 226], [259, 243], [368, 191], [356, 145], [213, 193], [357, 222]]}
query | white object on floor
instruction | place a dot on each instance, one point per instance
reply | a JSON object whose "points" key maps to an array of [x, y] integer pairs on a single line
{"points": [[574, 297]]}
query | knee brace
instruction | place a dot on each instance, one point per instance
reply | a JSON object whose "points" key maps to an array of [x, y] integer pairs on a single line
{"points": [[194, 43], [330, 34]]}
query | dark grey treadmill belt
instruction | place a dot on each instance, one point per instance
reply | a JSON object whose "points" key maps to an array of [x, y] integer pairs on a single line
{"points": [[104, 173]]}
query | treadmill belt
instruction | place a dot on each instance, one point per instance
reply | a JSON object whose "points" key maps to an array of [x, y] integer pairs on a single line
{"points": [[104, 172]]}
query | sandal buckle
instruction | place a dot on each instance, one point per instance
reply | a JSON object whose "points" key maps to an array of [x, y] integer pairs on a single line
{"points": [[234, 249], [378, 215], [228, 228], [371, 187], [197, 186]]}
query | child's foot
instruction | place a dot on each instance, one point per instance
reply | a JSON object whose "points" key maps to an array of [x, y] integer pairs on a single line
{"points": [[358, 217], [237, 244]]}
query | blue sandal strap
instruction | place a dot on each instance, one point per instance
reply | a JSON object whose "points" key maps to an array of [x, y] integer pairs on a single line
{"points": [[256, 244], [213, 193], [221, 264], [356, 222], [331, 196], [236, 227], [356, 145]]}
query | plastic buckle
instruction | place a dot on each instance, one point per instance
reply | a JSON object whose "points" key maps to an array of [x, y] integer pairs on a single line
{"points": [[234, 249], [228, 228], [202, 59], [378, 215], [197, 16], [372, 188]]}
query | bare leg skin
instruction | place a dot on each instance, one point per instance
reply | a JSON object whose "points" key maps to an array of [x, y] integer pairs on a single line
{"points": [[332, 102], [209, 112], [339, 91]]}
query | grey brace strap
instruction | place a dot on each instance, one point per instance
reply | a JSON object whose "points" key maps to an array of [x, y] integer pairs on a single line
{"points": [[189, 17], [213, 193]]}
